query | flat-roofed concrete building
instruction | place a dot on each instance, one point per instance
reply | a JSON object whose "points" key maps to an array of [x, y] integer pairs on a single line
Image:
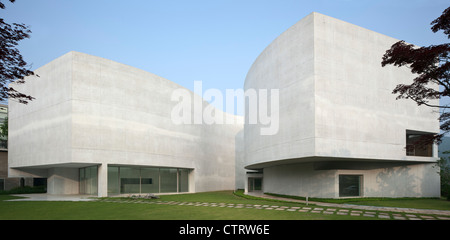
{"points": [[105, 128], [100, 127], [342, 132]]}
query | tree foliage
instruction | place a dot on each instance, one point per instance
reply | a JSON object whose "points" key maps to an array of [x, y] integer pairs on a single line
{"points": [[12, 65], [431, 67]]}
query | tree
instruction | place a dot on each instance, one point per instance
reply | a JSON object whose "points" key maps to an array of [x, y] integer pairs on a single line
{"points": [[432, 66], [12, 65], [4, 128], [444, 172]]}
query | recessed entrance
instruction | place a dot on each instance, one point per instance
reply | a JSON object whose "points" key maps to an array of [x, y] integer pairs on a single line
{"points": [[254, 184]]}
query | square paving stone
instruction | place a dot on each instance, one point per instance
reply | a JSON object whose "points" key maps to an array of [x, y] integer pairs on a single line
{"points": [[427, 217]]}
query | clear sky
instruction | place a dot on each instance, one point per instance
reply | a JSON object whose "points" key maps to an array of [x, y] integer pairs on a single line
{"points": [[213, 41]]}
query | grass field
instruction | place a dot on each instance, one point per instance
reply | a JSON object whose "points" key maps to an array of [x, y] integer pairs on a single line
{"points": [[419, 203], [94, 210], [123, 210]]}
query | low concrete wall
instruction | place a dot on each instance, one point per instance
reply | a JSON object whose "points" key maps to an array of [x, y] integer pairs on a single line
{"points": [[418, 180]]}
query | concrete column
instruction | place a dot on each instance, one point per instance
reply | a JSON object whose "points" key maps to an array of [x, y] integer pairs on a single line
{"points": [[191, 181], [246, 184], [103, 180]]}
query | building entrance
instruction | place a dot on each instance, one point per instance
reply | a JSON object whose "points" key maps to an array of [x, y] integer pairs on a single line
{"points": [[254, 184]]}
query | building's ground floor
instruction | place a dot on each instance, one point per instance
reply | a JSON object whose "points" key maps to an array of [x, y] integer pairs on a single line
{"points": [[333, 179], [111, 180], [347, 179], [8, 183]]}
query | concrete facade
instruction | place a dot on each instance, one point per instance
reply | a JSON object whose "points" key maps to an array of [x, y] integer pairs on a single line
{"points": [[338, 115], [91, 111], [337, 118]]}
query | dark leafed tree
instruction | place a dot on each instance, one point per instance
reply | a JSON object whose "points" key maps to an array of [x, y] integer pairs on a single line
{"points": [[431, 67], [12, 65]]}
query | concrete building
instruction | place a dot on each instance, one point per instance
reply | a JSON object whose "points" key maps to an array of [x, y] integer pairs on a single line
{"points": [[342, 132], [101, 127]]}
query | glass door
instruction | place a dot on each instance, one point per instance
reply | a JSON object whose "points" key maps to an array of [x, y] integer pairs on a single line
{"points": [[254, 184]]}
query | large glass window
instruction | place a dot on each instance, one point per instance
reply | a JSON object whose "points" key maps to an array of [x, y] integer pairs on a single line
{"points": [[149, 180], [130, 180], [183, 179], [169, 179], [127, 179], [418, 144], [88, 180], [350, 185], [113, 180]]}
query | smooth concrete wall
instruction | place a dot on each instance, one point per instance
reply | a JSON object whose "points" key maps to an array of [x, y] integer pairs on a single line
{"points": [[412, 180], [240, 171], [286, 64], [336, 105], [299, 180], [335, 97], [40, 132], [95, 111], [63, 181], [356, 114], [303, 179]]}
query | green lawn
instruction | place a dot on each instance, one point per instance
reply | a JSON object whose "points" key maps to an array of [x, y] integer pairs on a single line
{"points": [[423, 203], [126, 210], [419, 203], [119, 210]]}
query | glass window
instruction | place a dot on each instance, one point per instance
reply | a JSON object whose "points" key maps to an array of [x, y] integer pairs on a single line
{"points": [[254, 184], [169, 180], [124, 180], [113, 180], [2, 184], [350, 185], [88, 180], [150, 180], [418, 144], [183, 180], [129, 180]]}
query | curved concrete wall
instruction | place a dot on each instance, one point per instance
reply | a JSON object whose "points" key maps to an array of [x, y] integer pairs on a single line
{"points": [[303, 179], [286, 64], [89, 110], [336, 100]]}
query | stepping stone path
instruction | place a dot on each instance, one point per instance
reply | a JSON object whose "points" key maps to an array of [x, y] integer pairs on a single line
{"points": [[307, 209]]}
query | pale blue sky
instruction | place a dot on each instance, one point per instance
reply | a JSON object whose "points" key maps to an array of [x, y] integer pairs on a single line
{"points": [[213, 41]]}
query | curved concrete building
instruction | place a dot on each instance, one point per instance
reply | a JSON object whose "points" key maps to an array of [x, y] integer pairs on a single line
{"points": [[101, 127], [341, 131]]}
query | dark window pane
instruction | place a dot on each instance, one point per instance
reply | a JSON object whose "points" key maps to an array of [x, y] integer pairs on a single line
{"points": [[349, 185]]}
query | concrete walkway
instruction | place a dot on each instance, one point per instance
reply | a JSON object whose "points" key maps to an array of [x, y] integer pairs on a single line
{"points": [[360, 207], [51, 197]]}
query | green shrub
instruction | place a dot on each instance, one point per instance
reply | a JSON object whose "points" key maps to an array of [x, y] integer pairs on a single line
{"points": [[25, 190]]}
